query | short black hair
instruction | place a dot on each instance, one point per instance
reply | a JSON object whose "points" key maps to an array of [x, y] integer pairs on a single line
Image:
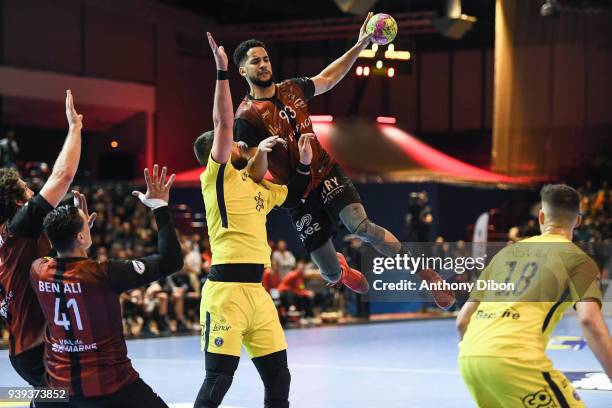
{"points": [[203, 145], [241, 50], [62, 226], [10, 192], [563, 200]]}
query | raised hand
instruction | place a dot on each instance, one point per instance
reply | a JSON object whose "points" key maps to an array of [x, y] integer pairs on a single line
{"points": [[80, 202], [364, 38], [75, 121], [218, 53], [267, 144], [158, 189], [305, 148]]}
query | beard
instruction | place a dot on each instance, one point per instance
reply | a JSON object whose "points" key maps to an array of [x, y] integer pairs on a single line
{"points": [[240, 163], [263, 84]]}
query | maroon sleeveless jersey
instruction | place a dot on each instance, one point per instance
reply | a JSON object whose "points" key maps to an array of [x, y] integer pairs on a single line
{"points": [[18, 304], [85, 349], [285, 115]]}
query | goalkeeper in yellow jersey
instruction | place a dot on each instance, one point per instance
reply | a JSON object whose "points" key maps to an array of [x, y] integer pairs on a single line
{"points": [[504, 334]]}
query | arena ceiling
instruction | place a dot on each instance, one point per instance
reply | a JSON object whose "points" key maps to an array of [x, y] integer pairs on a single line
{"points": [[256, 11]]}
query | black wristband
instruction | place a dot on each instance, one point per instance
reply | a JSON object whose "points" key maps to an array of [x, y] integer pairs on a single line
{"points": [[222, 75], [303, 169]]}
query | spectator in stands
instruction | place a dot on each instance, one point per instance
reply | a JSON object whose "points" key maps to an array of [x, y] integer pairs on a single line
{"points": [[193, 259], [282, 259], [317, 285], [419, 218], [294, 294], [155, 307], [185, 289], [271, 279], [9, 150]]}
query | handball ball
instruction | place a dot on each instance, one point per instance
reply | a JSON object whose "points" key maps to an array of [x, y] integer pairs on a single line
{"points": [[384, 28]]}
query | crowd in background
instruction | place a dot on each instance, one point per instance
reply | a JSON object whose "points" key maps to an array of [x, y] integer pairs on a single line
{"points": [[125, 229], [596, 211]]}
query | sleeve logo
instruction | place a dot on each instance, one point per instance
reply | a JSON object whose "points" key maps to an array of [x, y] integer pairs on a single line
{"points": [[139, 267]]}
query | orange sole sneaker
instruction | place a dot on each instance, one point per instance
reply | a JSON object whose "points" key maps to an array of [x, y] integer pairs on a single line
{"points": [[352, 278]]}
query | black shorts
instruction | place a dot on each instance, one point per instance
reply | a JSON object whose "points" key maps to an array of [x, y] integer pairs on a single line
{"points": [[315, 220], [30, 365], [136, 394]]}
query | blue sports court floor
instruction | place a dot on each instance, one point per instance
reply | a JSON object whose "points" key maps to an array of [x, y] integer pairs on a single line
{"points": [[384, 365]]}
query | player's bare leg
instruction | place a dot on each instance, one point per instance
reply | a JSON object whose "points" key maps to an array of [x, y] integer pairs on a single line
{"points": [[356, 220]]}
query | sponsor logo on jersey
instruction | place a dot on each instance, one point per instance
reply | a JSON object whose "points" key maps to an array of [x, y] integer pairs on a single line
{"points": [[332, 187], [4, 304], [139, 267], [273, 130], [304, 228], [510, 313], [72, 346], [299, 104], [259, 202], [540, 399], [221, 325]]}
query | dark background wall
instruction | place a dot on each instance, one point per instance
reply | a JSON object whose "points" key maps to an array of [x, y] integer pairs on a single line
{"points": [[387, 204], [444, 94]]}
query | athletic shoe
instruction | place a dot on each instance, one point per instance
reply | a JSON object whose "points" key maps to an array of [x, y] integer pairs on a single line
{"points": [[443, 298], [351, 278]]}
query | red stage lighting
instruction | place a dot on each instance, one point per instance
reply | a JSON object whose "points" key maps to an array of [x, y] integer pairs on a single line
{"points": [[387, 120], [321, 118]]}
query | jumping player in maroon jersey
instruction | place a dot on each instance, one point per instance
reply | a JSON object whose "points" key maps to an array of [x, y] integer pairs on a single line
{"points": [[281, 109], [21, 242], [85, 350]]}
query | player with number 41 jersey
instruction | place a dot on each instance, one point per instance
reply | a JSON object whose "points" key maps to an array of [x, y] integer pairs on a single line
{"points": [[85, 349]]}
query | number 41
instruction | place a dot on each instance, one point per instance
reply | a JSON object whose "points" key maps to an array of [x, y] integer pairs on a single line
{"points": [[65, 320]]}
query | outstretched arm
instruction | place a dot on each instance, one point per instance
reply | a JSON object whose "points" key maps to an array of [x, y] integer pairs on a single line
{"points": [[258, 163], [596, 332], [223, 113], [298, 183], [131, 274], [67, 162], [330, 76], [464, 316]]}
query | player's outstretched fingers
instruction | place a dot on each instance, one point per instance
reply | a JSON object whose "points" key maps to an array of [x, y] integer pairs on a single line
{"points": [[162, 178], [92, 219], [68, 99], [170, 182], [365, 22], [211, 41], [155, 179], [147, 178]]}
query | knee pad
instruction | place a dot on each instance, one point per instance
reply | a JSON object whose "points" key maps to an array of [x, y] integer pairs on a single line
{"points": [[369, 232]]}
